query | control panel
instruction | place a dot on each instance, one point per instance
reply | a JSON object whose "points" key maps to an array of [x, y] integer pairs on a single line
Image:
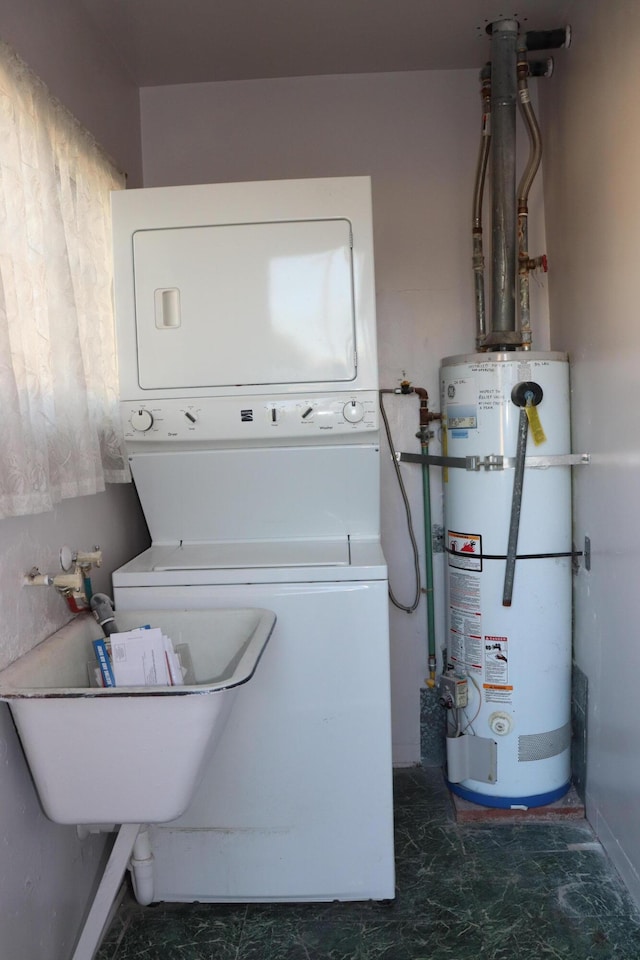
{"points": [[249, 419], [454, 693]]}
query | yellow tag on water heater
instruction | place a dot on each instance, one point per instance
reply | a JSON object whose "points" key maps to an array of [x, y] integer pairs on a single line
{"points": [[535, 426]]}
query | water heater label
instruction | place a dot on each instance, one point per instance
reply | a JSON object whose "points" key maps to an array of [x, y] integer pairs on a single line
{"points": [[462, 404], [465, 550], [492, 398]]}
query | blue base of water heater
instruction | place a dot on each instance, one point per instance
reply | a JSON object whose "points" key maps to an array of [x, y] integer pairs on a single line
{"points": [[509, 803]]}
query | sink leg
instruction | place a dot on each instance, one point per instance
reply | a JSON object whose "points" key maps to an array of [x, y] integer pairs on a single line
{"points": [[106, 893]]}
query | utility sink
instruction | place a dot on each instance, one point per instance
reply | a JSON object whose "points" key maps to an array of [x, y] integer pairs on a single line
{"points": [[129, 754]]}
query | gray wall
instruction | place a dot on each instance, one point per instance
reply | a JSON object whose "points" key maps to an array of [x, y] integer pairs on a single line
{"points": [[592, 193], [47, 874], [60, 44], [417, 136]]}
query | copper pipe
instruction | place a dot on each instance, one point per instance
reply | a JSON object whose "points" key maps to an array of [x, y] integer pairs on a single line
{"points": [[528, 176]]}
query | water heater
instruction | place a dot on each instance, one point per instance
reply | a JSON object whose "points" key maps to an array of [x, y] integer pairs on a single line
{"points": [[508, 661]]}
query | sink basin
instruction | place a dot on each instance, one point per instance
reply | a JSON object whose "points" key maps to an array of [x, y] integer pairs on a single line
{"points": [[129, 754]]}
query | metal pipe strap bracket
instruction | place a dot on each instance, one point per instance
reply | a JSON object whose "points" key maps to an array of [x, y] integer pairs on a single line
{"points": [[495, 461]]}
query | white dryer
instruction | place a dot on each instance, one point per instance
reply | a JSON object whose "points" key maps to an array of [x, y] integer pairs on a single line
{"points": [[246, 330]]}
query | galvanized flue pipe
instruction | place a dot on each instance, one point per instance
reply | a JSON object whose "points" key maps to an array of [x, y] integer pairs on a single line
{"points": [[504, 41]]}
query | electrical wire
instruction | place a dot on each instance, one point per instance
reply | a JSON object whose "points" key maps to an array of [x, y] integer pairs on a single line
{"points": [[476, 714], [408, 608], [456, 723]]}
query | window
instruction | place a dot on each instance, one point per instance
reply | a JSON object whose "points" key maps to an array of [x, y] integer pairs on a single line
{"points": [[59, 418]]}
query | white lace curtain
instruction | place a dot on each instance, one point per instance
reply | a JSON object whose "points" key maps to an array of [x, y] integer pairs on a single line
{"points": [[60, 434]]}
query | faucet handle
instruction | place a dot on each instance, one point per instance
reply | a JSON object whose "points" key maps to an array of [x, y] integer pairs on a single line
{"points": [[84, 559]]}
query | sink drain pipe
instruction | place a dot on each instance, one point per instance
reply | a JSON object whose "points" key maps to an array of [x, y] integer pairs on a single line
{"points": [[141, 867]]}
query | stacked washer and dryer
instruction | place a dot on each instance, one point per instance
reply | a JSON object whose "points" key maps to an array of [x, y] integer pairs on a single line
{"points": [[248, 385]]}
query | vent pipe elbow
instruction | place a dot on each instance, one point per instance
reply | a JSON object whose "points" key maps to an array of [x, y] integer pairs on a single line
{"points": [[548, 39]]}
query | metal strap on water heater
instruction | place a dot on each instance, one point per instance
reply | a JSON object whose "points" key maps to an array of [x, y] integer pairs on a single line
{"points": [[495, 461]]}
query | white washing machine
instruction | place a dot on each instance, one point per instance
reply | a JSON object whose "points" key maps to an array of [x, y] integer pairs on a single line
{"points": [[246, 333]]}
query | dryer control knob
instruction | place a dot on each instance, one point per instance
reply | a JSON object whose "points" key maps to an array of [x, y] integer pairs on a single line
{"points": [[353, 411], [142, 420]]}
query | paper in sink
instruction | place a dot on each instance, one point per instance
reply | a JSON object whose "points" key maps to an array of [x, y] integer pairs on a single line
{"points": [[138, 658]]}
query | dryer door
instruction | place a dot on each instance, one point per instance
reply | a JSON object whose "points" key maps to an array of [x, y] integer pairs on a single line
{"points": [[245, 304]]}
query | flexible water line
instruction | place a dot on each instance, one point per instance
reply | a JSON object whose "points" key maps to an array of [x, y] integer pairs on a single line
{"points": [[478, 192], [528, 176], [102, 607], [408, 608], [423, 435]]}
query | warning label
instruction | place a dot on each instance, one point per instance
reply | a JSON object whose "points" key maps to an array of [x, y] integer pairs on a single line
{"points": [[464, 592], [497, 694], [465, 622], [497, 688], [465, 550]]}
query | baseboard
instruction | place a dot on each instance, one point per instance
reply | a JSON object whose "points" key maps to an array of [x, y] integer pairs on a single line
{"points": [[616, 854], [406, 754]]}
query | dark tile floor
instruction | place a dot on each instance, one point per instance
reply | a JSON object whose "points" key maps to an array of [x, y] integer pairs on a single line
{"points": [[506, 892]]}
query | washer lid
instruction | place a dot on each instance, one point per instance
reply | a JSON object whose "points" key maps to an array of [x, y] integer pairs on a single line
{"points": [[247, 553], [167, 566], [260, 494]]}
